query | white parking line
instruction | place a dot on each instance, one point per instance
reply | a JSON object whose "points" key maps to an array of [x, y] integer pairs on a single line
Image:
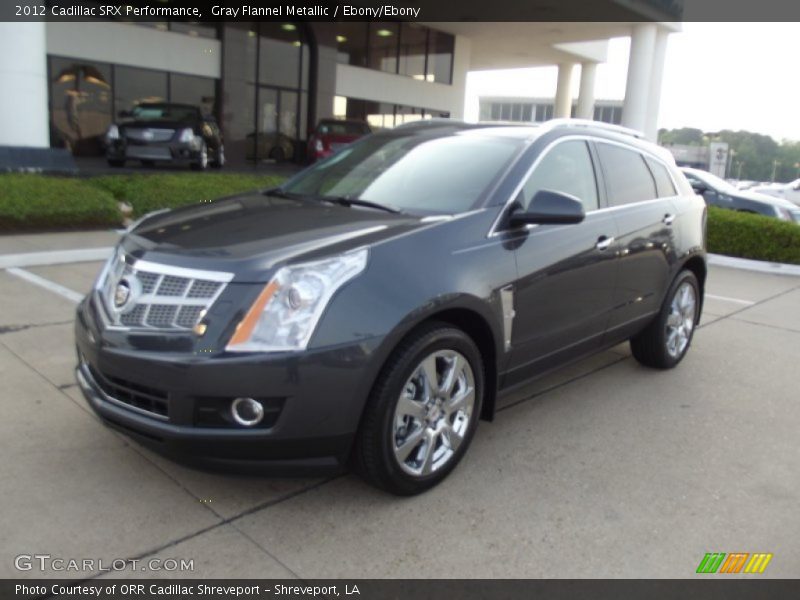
{"points": [[65, 292], [54, 257], [728, 299]]}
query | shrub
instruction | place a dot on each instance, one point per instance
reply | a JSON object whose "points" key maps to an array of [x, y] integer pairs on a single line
{"points": [[753, 236], [146, 193], [30, 201]]}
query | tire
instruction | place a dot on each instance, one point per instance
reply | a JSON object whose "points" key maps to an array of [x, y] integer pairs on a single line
{"points": [[437, 428], [116, 163], [201, 164], [219, 161], [277, 154], [665, 341]]}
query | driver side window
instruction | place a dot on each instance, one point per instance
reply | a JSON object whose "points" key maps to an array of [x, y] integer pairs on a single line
{"points": [[566, 168]]}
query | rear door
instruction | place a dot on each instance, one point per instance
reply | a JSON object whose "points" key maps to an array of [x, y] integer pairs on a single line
{"points": [[640, 196], [567, 273]]}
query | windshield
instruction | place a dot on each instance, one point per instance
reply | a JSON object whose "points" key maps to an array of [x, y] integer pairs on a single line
{"points": [[164, 112], [710, 180], [415, 173]]}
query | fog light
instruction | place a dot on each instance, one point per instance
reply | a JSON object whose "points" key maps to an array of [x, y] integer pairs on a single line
{"points": [[247, 412]]}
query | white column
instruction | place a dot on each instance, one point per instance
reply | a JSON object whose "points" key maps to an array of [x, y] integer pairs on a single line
{"points": [[23, 73], [563, 104], [656, 78], [637, 88], [585, 108]]}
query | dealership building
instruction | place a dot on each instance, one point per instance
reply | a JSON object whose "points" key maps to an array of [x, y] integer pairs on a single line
{"points": [[65, 82]]}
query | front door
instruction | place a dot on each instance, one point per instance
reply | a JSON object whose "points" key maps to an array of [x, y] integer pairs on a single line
{"points": [[567, 273]]}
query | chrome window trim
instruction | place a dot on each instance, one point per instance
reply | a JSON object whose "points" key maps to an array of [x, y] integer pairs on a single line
{"points": [[587, 138]]}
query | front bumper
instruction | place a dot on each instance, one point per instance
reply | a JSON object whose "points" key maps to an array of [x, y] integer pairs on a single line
{"points": [[176, 152], [316, 400]]}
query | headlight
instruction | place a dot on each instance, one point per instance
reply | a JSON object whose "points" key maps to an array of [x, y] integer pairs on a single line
{"points": [[112, 133], [287, 310], [186, 136]]}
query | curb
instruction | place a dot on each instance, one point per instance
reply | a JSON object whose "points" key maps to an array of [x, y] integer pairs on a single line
{"points": [[54, 257], [753, 265]]}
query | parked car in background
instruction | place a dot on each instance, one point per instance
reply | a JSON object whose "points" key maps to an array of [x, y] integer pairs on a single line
{"points": [[718, 192], [269, 146], [787, 191], [374, 307], [165, 133], [331, 135]]}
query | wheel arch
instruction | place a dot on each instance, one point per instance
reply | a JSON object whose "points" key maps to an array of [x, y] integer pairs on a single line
{"points": [[697, 265]]}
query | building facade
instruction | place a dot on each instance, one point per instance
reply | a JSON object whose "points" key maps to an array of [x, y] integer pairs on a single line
{"points": [[66, 82], [538, 110]]}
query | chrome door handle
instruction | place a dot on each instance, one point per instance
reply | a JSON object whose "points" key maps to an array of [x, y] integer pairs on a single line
{"points": [[668, 219], [603, 243]]}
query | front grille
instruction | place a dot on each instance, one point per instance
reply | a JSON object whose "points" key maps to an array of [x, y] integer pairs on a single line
{"points": [[149, 134], [143, 398], [161, 297]]}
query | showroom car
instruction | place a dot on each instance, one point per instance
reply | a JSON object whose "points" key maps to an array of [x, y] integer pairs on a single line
{"points": [[332, 135], [372, 309], [165, 133], [718, 192]]}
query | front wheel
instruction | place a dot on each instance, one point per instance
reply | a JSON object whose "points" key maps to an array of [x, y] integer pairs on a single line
{"points": [[422, 413], [664, 342]]}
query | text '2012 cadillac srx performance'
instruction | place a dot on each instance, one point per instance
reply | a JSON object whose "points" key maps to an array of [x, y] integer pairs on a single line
{"points": [[372, 309]]}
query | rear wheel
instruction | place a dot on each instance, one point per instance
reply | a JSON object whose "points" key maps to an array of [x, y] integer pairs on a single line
{"points": [[422, 413], [664, 342]]}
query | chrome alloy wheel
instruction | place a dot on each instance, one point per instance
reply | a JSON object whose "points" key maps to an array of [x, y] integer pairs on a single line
{"points": [[680, 321], [433, 413]]}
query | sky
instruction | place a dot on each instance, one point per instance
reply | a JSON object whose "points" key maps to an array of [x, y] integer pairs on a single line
{"points": [[716, 76]]}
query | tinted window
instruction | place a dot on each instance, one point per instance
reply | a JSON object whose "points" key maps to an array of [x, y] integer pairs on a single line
{"points": [[565, 168], [629, 179], [664, 184]]}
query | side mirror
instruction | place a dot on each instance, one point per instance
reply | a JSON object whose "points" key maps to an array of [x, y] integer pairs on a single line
{"points": [[550, 208], [698, 186]]}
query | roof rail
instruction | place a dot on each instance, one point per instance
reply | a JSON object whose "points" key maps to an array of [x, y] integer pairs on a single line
{"points": [[556, 123]]}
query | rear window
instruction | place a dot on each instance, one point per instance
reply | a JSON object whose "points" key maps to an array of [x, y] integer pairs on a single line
{"points": [[343, 128], [664, 184], [627, 175]]}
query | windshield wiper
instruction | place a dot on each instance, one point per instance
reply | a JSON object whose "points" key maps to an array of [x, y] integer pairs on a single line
{"points": [[348, 201], [281, 193]]}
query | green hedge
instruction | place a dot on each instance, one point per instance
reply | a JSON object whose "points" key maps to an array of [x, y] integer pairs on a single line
{"points": [[146, 193], [33, 202], [753, 236]]}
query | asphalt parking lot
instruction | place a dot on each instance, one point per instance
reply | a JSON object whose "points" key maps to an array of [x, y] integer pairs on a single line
{"points": [[604, 469]]}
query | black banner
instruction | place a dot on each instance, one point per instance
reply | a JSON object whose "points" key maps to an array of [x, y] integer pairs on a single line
{"points": [[409, 10], [711, 588]]}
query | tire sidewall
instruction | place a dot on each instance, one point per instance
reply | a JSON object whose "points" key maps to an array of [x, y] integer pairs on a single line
{"points": [[441, 339]]}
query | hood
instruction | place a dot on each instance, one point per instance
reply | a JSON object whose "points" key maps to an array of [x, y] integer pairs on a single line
{"points": [[250, 234]]}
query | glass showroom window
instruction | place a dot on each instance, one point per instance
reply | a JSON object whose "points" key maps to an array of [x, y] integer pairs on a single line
{"points": [[383, 46], [413, 47], [440, 57], [133, 86], [351, 42], [197, 91], [80, 104]]}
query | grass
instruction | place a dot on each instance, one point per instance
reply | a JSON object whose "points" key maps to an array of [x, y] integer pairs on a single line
{"points": [[753, 236], [31, 202], [145, 193]]}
